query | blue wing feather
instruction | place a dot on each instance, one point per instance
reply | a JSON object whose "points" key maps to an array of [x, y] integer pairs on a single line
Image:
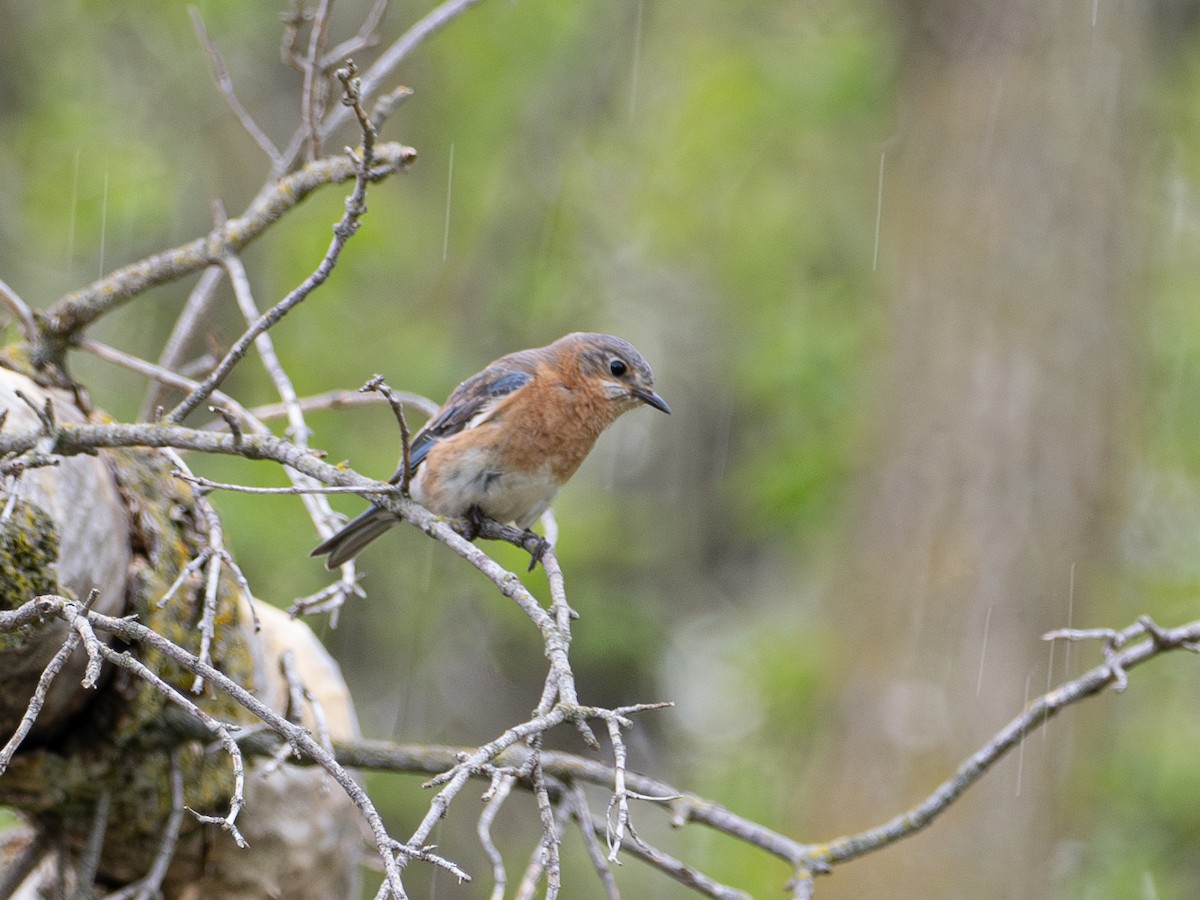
{"points": [[469, 399]]}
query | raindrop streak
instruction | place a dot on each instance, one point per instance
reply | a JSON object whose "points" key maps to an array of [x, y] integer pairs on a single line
{"points": [[879, 214], [987, 624], [449, 187], [1095, 11], [1021, 747], [103, 222], [71, 217], [637, 60]]}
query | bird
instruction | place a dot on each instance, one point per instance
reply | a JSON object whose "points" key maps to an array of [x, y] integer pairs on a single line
{"points": [[511, 435]]}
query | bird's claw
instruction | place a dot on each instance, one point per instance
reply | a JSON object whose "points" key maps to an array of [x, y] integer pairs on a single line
{"points": [[537, 547], [474, 517]]}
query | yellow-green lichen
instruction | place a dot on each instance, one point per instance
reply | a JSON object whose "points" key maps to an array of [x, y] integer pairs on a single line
{"points": [[28, 557], [121, 744], [165, 525]]}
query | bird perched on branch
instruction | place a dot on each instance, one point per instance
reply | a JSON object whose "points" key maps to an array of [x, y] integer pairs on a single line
{"points": [[510, 436]]}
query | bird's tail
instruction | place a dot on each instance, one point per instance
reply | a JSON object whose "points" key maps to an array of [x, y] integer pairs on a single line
{"points": [[356, 534]]}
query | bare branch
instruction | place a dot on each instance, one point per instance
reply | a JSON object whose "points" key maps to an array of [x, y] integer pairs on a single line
{"points": [[134, 632], [576, 798], [425, 28], [187, 325], [549, 860], [342, 232], [386, 105], [226, 85], [148, 887], [20, 311], [215, 557], [501, 787], [157, 372], [139, 669], [301, 696], [38, 700], [365, 38], [1036, 714], [675, 868], [379, 386], [328, 599], [209, 485], [1124, 649], [89, 859], [312, 97], [343, 400], [807, 860], [422, 30], [289, 45], [79, 309], [542, 862]]}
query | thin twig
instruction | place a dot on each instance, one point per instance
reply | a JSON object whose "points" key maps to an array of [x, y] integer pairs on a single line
{"points": [[20, 310], [615, 835], [422, 30], [225, 83], [386, 105], [377, 385], [675, 868], [342, 232], [1036, 714], [328, 599], [298, 430], [134, 632], [77, 310], [577, 802], [215, 557], [209, 485], [89, 859], [343, 400], [148, 887], [541, 863], [318, 507], [125, 661], [187, 324], [289, 45], [551, 840], [155, 371], [312, 99], [301, 696], [365, 38], [38, 700], [497, 793]]}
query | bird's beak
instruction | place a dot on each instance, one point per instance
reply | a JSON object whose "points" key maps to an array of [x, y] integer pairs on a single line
{"points": [[650, 398]]}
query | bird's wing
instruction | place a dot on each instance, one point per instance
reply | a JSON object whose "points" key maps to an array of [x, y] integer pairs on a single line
{"points": [[472, 402]]}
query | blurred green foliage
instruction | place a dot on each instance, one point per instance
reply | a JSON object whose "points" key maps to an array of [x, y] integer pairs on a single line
{"points": [[700, 177]]}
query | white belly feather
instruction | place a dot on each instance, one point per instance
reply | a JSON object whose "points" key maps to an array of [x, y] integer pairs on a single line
{"points": [[512, 497]]}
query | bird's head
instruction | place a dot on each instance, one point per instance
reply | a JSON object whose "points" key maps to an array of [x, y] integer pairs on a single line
{"points": [[620, 369]]}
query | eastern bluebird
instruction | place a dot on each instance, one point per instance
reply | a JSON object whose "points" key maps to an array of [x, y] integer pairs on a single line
{"points": [[510, 436]]}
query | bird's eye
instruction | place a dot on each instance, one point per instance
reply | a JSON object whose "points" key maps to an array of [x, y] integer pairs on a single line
{"points": [[617, 367]]}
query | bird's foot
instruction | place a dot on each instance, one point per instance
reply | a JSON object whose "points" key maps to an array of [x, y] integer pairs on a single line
{"points": [[537, 547], [474, 517]]}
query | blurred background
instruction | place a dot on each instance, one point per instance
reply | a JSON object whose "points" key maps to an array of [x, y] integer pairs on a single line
{"points": [[918, 281]]}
